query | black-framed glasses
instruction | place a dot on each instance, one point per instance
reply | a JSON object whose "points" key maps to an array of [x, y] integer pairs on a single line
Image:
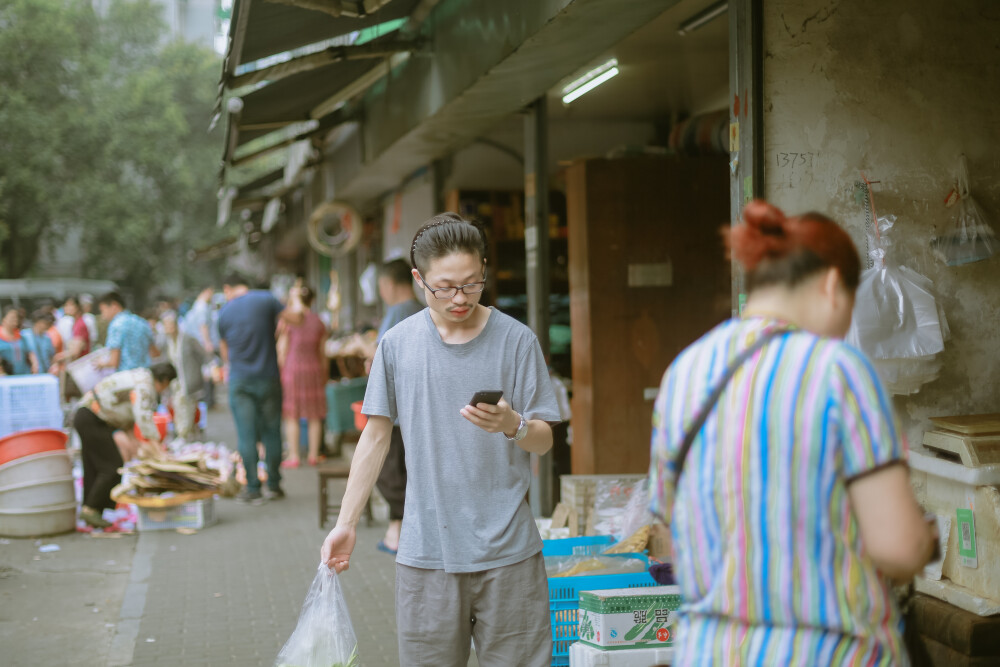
{"points": [[450, 292]]}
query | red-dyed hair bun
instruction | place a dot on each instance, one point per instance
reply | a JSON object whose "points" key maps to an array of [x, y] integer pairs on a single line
{"points": [[763, 234], [808, 242]]}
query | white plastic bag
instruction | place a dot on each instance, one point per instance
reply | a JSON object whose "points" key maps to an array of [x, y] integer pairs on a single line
{"points": [[897, 320], [620, 510], [324, 636], [971, 239], [896, 315]]}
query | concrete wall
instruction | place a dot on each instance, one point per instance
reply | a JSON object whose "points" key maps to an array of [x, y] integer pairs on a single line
{"points": [[898, 89]]}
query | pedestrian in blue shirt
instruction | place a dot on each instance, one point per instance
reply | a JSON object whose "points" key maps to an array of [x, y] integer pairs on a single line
{"points": [[247, 324], [129, 336], [13, 348], [38, 341]]}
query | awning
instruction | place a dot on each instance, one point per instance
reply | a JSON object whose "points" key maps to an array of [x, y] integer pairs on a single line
{"points": [[262, 28], [293, 100], [338, 57]]}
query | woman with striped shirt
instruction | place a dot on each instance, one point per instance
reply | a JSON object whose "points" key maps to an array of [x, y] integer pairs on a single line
{"points": [[792, 509]]}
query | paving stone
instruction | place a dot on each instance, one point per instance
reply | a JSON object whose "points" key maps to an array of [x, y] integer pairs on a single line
{"points": [[262, 560]]}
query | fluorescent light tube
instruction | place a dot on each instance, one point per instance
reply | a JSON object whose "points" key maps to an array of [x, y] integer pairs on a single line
{"points": [[590, 80], [703, 17]]}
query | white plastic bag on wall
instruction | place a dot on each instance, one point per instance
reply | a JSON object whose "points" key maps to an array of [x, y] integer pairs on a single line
{"points": [[897, 320]]}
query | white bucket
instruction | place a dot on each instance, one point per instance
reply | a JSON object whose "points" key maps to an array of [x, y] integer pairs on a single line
{"points": [[35, 494], [36, 468], [50, 520]]}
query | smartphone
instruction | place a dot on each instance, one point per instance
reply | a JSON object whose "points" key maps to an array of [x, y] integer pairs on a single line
{"points": [[492, 397]]}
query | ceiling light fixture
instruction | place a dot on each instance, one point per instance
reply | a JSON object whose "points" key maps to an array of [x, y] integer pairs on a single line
{"points": [[703, 17], [590, 80]]}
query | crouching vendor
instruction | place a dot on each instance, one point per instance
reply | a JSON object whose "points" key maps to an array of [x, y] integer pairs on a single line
{"points": [[105, 420]]}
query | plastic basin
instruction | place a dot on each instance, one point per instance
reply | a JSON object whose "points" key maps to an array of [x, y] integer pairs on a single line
{"points": [[36, 468], [35, 494], [39, 521], [161, 422], [360, 419], [26, 443]]}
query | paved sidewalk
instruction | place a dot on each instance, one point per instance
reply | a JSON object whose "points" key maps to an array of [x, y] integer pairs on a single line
{"points": [[61, 607], [231, 594], [227, 595]]}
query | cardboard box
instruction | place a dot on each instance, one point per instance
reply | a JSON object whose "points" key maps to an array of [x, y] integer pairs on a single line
{"points": [[624, 618], [196, 514]]}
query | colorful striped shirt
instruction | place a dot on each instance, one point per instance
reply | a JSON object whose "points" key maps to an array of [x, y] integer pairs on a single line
{"points": [[766, 548]]}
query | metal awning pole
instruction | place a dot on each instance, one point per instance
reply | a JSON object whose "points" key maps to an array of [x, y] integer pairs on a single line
{"points": [[536, 246]]}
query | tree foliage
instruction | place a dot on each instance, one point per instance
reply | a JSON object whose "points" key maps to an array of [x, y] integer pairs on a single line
{"points": [[103, 126]]}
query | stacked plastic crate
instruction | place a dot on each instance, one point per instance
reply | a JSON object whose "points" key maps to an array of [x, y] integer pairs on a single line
{"points": [[36, 482], [565, 594]]}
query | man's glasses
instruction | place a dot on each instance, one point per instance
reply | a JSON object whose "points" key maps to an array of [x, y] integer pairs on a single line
{"points": [[450, 292]]}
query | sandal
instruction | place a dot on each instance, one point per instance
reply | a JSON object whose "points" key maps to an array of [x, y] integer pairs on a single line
{"points": [[93, 518], [290, 463]]}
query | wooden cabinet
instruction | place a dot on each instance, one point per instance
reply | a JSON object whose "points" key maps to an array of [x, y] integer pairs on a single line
{"points": [[647, 277]]}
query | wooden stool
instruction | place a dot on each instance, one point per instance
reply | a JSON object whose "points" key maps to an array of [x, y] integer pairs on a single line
{"points": [[326, 472]]}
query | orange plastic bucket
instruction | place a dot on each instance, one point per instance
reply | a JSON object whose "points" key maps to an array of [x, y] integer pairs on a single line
{"points": [[161, 422], [360, 419], [27, 443]]}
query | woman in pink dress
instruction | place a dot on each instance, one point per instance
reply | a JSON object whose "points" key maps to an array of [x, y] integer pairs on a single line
{"points": [[304, 373]]}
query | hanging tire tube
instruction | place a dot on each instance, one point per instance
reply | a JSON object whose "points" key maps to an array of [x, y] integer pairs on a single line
{"points": [[334, 228]]}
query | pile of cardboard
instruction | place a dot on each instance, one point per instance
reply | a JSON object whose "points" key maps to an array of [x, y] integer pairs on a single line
{"points": [[168, 476]]}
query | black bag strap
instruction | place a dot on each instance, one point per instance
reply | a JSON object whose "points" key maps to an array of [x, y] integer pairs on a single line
{"points": [[713, 398]]}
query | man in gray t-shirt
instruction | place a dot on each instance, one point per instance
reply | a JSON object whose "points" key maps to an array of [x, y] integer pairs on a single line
{"points": [[469, 560]]}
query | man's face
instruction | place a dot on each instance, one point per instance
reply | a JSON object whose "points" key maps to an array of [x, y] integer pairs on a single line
{"points": [[40, 327], [170, 326], [452, 271], [385, 288], [71, 309], [108, 311]]}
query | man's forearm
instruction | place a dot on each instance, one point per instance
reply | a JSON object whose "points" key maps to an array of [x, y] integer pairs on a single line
{"points": [[365, 468], [539, 437]]}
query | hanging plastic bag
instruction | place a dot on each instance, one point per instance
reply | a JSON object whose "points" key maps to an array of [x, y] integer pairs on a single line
{"points": [[620, 509], [897, 321], [323, 636], [971, 239], [896, 315]]}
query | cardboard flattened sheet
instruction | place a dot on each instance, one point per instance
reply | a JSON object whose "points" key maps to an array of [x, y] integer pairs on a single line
{"points": [[970, 424]]}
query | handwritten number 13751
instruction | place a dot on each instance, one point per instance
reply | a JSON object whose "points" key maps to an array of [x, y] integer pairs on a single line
{"points": [[794, 159]]}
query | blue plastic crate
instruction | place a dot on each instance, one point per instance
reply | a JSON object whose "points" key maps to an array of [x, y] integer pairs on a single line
{"points": [[573, 546], [564, 602]]}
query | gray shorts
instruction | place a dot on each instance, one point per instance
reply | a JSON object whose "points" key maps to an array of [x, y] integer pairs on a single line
{"points": [[504, 610]]}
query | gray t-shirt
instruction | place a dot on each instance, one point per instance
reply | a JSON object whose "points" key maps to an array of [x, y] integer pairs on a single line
{"points": [[465, 488], [396, 314]]}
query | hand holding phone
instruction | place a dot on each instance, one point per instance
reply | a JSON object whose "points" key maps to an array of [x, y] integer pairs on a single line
{"points": [[490, 397]]}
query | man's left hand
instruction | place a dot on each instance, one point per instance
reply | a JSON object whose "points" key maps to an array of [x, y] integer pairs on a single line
{"points": [[499, 418]]}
